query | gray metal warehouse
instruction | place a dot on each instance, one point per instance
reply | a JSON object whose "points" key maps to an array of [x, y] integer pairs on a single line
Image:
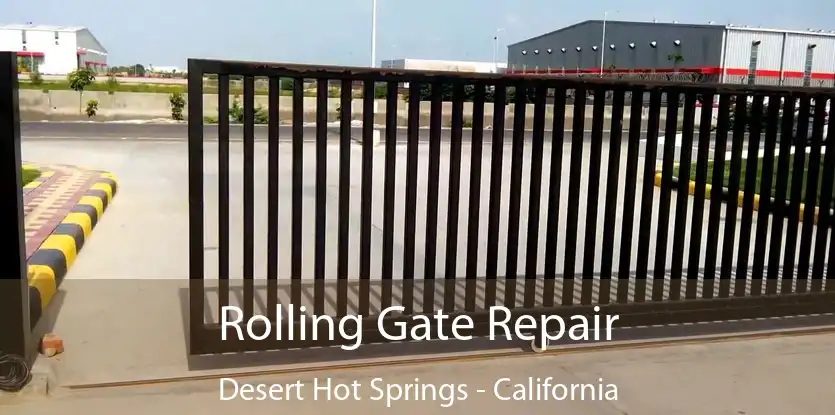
{"points": [[706, 52]]}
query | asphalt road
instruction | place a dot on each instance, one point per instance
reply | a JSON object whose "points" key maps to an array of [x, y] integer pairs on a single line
{"points": [[91, 130]]}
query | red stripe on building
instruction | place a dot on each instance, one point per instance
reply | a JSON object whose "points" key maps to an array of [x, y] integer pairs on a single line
{"points": [[765, 73], [30, 54]]}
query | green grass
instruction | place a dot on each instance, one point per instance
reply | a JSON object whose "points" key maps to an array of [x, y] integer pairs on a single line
{"points": [[27, 175], [760, 176]]}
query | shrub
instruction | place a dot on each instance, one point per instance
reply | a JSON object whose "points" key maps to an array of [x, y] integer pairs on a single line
{"points": [[35, 78], [92, 108], [178, 102]]}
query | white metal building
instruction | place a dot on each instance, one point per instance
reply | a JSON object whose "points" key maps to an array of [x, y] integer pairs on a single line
{"points": [[53, 50], [726, 53], [441, 65]]}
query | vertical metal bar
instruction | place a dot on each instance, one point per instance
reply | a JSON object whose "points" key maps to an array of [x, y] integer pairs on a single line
{"points": [[474, 205], [388, 193], [272, 197], [811, 203], [15, 324], [751, 169], [195, 202], [554, 193], [629, 190], [321, 195], [577, 139], [223, 192], [793, 211], [496, 160], [593, 195], [740, 123], [659, 273], [682, 194], [717, 183], [453, 195], [699, 195], [782, 174], [344, 249], [365, 195], [296, 201], [645, 224], [431, 242], [824, 216], [537, 146], [514, 208], [765, 208], [249, 196], [611, 208], [411, 197]]}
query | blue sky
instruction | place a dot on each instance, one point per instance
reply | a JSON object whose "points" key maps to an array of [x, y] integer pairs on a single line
{"points": [[338, 32]]}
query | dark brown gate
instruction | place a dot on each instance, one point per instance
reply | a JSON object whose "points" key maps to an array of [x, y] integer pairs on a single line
{"points": [[514, 206]]}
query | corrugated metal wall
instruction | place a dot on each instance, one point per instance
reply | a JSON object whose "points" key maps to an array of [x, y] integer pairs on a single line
{"points": [[700, 46], [771, 54]]}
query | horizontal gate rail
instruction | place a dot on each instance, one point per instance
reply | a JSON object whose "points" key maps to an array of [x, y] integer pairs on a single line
{"points": [[483, 206]]}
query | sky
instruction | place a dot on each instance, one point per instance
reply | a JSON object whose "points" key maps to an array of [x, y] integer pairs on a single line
{"points": [[338, 32]]}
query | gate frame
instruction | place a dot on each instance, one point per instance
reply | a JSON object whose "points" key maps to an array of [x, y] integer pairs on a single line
{"points": [[16, 335]]}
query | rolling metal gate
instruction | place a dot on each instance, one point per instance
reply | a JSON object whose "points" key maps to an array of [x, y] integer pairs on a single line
{"points": [[652, 254]]}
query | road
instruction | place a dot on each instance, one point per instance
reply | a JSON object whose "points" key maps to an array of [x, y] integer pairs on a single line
{"points": [[72, 130], [154, 187]]}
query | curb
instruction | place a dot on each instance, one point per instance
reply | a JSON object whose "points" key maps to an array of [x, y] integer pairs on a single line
{"points": [[48, 266], [34, 184], [740, 196]]}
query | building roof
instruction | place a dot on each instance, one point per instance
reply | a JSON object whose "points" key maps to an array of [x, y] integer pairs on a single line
{"points": [[811, 32], [45, 28]]}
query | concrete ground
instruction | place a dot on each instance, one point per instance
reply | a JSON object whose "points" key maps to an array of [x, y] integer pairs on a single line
{"points": [[770, 376], [121, 310]]}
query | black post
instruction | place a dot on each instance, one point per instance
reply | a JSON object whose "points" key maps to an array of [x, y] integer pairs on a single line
{"points": [[15, 329]]}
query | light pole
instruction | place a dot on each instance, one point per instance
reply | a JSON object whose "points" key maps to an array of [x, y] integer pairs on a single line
{"points": [[496, 50], [603, 40], [373, 33]]}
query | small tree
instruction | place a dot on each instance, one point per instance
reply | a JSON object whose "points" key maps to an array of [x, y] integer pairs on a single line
{"points": [[112, 83], [35, 78], [80, 79]]}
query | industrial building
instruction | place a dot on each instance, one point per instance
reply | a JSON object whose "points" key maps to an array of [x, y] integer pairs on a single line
{"points": [[441, 65], [706, 52], [53, 50]]}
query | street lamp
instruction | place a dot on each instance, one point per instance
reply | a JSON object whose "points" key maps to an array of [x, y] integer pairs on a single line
{"points": [[524, 65], [496, 50], [579, 57], [373, 33], [603, 39]]}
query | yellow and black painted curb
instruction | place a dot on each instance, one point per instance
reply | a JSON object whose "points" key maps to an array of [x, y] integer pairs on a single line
{"points": [[34, 184], [48, 266], [691, 189]]}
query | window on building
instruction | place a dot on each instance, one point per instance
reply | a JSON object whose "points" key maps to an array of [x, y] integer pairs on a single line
{"points": [[752, 64], [23, 37], [807, 66]]}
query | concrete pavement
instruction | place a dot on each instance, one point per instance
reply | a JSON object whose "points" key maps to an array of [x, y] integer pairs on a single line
{"points": [[769, 376]]}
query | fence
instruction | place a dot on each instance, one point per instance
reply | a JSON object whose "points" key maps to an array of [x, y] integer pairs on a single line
{"points": [[551, 221]]}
